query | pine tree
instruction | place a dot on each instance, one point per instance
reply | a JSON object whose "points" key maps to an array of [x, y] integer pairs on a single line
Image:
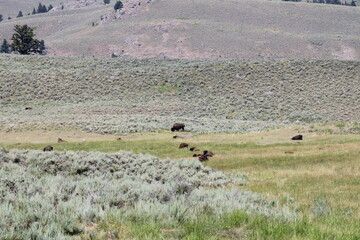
{"points": [[1, 17], [23, 40], [118, 5], [353, 3], [34, 11], [5, 48], [19, 14], [44, 10], [50, 7], [106, 1]]}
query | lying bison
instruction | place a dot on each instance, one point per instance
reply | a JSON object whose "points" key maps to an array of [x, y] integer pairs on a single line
{"points": [[183, 145], [61, 140], [193, 149], [203, 158], [178, 127], [48, 148], [208, 153], [297, 137]]}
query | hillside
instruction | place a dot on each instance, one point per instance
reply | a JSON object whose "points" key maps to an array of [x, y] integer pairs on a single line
{"points": [[251, 29], [126, 95]]}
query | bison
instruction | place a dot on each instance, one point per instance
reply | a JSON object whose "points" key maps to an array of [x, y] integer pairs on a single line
{"points": [[28, 108], [203, 158], [118, 139], [48, 148], [208, 153], [178, 127], [194, 149], [297, 137], [196, 155], [61, 140], [183, 145]]}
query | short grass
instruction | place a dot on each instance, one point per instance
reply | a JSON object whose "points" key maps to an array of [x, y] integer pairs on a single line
{"points": [[321, 176]]}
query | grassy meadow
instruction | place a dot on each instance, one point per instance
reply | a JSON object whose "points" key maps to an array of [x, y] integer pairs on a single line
{"points": [[320, 177]]}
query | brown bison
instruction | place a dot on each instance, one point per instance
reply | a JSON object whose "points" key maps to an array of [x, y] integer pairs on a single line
{"points": [[297, 137], [203, 158], [194, 149], [183, 145], [61, 140], [208, 153], [178, 127], [48, 148], [28, 108], [118, 139]]}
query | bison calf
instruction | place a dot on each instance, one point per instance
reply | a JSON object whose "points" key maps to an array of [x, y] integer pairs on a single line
{"points": [[48, 148], [297, 137]]}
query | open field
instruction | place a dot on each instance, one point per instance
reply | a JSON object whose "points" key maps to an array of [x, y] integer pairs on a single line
{"points": [[241, 29], [320, 179]]}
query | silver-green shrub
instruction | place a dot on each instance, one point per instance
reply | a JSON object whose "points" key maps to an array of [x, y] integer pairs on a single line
{"points": [[53, 195]]}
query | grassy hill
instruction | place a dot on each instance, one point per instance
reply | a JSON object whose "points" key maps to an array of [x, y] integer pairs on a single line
{"points": [[97, 94], [201, 29]]}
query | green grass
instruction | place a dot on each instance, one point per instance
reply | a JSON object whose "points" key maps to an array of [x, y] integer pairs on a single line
{"points": [[323, 173]]}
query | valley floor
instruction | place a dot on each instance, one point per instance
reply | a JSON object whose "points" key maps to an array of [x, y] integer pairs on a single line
{"points": [[320, 175]]}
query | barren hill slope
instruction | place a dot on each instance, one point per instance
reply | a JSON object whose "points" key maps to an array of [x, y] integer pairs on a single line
{"points": [[249, 29]]}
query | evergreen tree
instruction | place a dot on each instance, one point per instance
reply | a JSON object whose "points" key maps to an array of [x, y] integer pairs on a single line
{"points": [[1, 17], [44, 10], [42, 47], [50, 7], [118, 5], [107, 1], [34, 11], [19, 14], [41, 8], [353, 3], [23, 40], [5, 48], [9, 18]]}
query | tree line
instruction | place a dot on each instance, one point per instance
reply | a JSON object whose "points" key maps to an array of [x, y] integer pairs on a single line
{"points": [[23, 42]]}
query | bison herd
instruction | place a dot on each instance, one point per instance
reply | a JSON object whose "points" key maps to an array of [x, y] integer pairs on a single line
{"points": [[177, 127]]}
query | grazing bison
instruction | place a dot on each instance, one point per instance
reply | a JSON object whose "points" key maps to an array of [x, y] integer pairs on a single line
{"points": [[183, 145], [48, 148], [28, 108], [297, 137], [118, 139], [203, 158], [178, 127], [61, 140], [208, 153], [194, 149]]}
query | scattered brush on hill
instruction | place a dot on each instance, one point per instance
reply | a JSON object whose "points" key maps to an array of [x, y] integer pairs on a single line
{"points": [[56, 194], [129, 95]]}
